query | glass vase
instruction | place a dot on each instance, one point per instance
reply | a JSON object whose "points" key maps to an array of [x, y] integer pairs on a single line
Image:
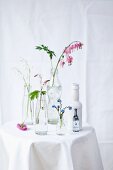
{"points": [[41, 121], [54, 90], [61, 128], [27, 107]]}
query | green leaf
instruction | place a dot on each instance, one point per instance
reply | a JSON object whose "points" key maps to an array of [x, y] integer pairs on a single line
{"points": [[43, 92], [34, 95], [38, 48], [45, 48]]}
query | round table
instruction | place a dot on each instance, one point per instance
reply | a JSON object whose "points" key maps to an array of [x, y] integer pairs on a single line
{"points": [[24, 150]]}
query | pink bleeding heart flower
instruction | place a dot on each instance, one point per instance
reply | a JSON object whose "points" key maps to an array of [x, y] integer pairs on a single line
{"points": [[67, 51], [79, 45], [45, 82], [22, 126], [75, 45], [62, 63], [69, 60], [72, 48]]}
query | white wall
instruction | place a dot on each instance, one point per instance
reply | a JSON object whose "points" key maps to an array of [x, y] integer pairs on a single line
{"points": [[27, 24], [24, 24], [99, 75]]}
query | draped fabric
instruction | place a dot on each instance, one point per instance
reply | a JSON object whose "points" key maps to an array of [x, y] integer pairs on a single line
{"points": [[25, 24], [26, 151], [99, 75]]}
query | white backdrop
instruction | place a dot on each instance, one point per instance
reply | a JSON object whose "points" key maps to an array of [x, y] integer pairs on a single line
{"points": [[24, 24], [99, 75]]}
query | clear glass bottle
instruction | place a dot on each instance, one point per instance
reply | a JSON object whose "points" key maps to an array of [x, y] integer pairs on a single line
{"points": [[60, 127], [41, 121], [54, 90], [27, 107], [76, 104]]}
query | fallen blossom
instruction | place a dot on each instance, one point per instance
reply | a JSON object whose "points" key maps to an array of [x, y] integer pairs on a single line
{"points": [[22, 126]]}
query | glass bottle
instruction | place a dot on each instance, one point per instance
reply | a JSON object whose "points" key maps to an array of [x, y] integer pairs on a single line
{"points": [[77, 106], [60, 127], [41, 121], [54, 90], [27, 107]]}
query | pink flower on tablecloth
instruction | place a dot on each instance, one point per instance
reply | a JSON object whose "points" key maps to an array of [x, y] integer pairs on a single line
{"points": [[22, 126], [69, 60]]}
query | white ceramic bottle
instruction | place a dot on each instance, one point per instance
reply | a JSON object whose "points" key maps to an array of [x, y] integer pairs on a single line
{"points": [[76, 104]]}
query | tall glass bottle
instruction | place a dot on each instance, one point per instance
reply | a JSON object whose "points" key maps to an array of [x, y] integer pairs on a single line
{"points": [[77, 106], [54, 90], [27, 107], [41, 121]]}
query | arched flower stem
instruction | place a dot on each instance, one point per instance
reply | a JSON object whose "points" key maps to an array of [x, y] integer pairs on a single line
{"points": [[61, 56]]}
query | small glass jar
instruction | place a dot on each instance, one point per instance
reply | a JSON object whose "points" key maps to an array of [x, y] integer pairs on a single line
{"points": [[60, 127], [41, 121]]}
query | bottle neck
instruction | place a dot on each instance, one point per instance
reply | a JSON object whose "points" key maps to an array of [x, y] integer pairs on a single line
{"points": [[52, 74], [42, 101], [75, 94], [75, 112], [54, 80]]}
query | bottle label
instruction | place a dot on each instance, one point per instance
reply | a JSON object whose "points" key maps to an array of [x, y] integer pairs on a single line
{"points": [[76, 127], [79, 114]]}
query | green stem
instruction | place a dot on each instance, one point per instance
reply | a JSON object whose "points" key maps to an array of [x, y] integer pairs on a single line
{"points": [[61, 121], [27, 106], [56, 70], [31, 110], [36, 108], [59, 62], [40, 102]]}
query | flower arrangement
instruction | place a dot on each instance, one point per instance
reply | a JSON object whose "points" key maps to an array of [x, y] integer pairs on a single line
{"points": [[61, 110], [40, 107], [65, 57], [26, 103], [25, 76], [37, 94]]}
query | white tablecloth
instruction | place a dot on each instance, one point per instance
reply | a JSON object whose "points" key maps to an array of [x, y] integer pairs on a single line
{"points": [[24, 150]]}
